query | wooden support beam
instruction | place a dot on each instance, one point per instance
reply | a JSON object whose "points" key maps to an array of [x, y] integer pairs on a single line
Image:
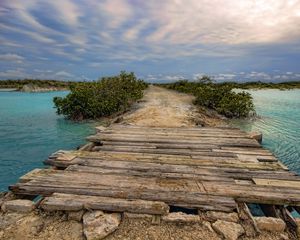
{"points": [[290, 221], [245, 214]]}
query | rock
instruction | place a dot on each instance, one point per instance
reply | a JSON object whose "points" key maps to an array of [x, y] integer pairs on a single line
{"points": [[75, 215], [180, 217], [36, 223], [207, 225], [270, 224], [229, 217], [18, 205], [256, 135], [97, 224], [137, 216], [229, 230]]}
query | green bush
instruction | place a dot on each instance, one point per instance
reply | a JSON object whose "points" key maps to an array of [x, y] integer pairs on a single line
{"points": [[92, 100], [236, 105], [219, 97]]}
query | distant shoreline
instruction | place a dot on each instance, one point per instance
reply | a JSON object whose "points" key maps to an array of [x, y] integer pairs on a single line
{"points": [[8, 89]]}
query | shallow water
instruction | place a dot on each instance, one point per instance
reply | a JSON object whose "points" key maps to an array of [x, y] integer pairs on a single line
{"points": [[279, 122], [30, 131]]}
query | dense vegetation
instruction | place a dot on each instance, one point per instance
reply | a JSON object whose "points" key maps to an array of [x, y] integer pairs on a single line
{"points": [[40, 83], [92, 100], [219, 97], [264, 85]]}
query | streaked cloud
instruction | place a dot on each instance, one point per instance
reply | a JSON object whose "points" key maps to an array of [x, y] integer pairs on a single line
{"points": [[174, 38], [11, 57]]}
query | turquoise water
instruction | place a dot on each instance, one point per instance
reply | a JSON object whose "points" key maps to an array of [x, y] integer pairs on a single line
{"points": [[30, 131], [279, 122]]}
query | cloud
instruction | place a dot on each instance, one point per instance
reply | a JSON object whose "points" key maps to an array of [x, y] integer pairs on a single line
{"points": [[12, 73], [134, 32], [116, 12], [34, 35], [67, 11], [64, 74], [236, 22], [11, 57], [154, 36]]}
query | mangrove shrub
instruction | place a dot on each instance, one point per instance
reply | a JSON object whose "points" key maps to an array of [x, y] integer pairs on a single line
{"points": [[219, 97], [92, 100]]}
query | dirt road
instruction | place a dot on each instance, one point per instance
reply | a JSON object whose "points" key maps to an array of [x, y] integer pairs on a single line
{"points": [[161, 107]]}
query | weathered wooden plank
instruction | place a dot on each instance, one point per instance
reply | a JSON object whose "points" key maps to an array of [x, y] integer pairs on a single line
{"points": [[247, 193], [178, 134], [176, 198], [73, 202], [244, 150], [256, 194], [239, 173], [170, 159], [217, 141], [154, 150], [207, 147], [150, 173], [187, 129], [32, 174], [277, 183], [208, 161]]}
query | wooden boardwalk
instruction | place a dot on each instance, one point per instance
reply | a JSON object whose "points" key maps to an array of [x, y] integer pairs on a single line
{"points": [[147, 170]]}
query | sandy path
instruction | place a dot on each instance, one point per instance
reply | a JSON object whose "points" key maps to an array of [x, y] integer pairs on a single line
{"points": [[162, 107]]}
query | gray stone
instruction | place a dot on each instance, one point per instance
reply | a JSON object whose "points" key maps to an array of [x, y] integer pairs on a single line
{"points": [[18, 205], [270, 224], [229, 217], [75, 215], [180, 217], [229, 230], [98, 225]]}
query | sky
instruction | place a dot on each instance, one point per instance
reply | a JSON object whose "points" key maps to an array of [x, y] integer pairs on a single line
{"points": [[159, 40]]}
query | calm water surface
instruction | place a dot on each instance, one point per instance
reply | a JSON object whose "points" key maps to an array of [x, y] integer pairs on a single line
{"points": [[30, 131], [279, 122]]}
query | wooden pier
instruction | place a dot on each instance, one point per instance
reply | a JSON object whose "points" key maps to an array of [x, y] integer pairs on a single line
{"points": [[148, 170]]}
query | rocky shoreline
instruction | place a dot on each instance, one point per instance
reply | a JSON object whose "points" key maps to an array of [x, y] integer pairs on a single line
{"points": [[23, 219], [35, 88]]}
